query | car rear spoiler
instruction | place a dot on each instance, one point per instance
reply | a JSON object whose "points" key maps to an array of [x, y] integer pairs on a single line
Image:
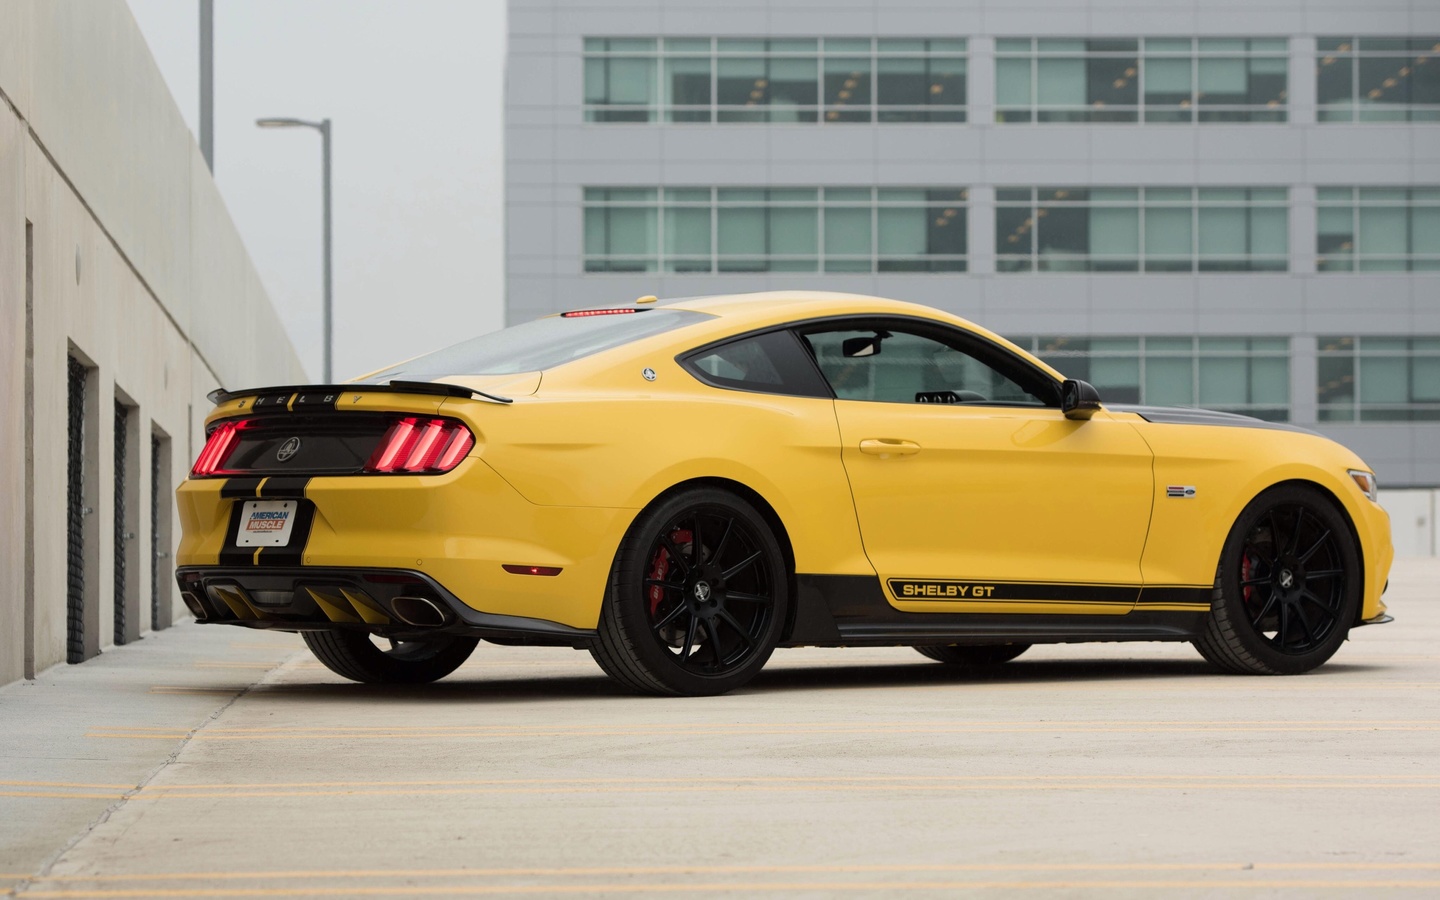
{"points": [[220, 395]]}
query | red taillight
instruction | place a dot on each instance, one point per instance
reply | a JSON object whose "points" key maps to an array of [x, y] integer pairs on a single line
{"points": [[415, 446], [217, 448]]}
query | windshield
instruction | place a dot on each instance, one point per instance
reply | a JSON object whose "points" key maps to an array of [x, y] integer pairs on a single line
{"points": [[541, 344]]}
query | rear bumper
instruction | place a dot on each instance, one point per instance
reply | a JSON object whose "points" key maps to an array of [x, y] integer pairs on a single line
{"points": [[361, 599]]}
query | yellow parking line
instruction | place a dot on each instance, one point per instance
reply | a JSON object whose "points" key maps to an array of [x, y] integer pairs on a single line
{"points": [[746, 887], [794, 779], [68, 784], [57, 795]]}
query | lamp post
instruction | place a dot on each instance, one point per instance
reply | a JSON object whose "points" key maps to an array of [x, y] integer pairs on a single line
{"points": [[322, 126]]}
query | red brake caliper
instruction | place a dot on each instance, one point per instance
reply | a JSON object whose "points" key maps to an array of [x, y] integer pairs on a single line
{"points": [[660, 565], [1246, 569]]}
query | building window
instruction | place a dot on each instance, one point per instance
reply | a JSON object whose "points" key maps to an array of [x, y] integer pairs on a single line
{"points": [[1367, 79], [1378, 229], [1232, 374], [1145, 79], [1379, 379], [687, 230], [782, 80], [1059, 229]]}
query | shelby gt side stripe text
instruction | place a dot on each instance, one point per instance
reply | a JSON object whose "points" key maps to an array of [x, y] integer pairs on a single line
{"points": [[946, 590]]}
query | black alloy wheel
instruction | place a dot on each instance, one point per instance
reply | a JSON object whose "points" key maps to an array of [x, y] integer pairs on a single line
{"points": [[1288, 588], [972, 655], [359, 657], [698, 596]]}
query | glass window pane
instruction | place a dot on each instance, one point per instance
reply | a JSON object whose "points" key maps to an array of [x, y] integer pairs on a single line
{"points": [[687, 231], [632, 81], [1425, 379], [1384, 379], [1270, 232], [902, 232], [631, 231], [1117, 378], [847, 84], [687, 82], [1382, 230], [847, 231], [1115, 237], [1169, 239], [1013, 45], [1425, 230], [1222, 231], [740, 81], [794, 231], [1012, 82], [1270, 380], [687, 45], [1169, 381], [1168, 45], [740, 231], [793, 82], [1223, 381], [847, 45], [1061, 82], [902, 81]]}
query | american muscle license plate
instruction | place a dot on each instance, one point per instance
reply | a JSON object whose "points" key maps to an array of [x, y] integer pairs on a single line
{"points": [[266, 523]]}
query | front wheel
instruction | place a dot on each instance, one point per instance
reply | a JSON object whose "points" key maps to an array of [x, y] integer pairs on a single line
{"points": [[354, 655], [698, 596], [1288, 587]]}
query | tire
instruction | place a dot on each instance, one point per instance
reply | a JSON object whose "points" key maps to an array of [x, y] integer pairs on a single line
{"points": [[1288, 586], [698, 595], [973, 655], [353, 655]]}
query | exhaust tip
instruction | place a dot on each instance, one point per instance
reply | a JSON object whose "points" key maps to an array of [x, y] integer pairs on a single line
{"points": [[417, 611], [197, 609]]}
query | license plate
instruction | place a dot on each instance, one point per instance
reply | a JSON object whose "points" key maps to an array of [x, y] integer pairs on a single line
{"points": [[266, 523]]}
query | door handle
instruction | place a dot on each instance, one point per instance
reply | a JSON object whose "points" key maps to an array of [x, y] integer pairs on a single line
{"points": [[888, 447]]}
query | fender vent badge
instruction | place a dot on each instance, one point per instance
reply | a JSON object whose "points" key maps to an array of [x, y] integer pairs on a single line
{"points": [[1181, 491]]}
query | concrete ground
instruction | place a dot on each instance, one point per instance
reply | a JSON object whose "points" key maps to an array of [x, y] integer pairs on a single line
{"points": [[209, 761]]}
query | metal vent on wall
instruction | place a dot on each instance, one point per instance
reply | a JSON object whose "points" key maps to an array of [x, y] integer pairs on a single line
{"points": [[75, 516], [122, 440], [155, 445]]}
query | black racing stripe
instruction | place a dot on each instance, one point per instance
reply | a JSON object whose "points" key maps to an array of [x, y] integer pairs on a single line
{"points": [[285, 487], [293, 553], [1173, 594], [239, 487], [953, 590], [230, 554]]}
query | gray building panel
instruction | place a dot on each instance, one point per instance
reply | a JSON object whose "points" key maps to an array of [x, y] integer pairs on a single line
{"points": [[553, 154]]}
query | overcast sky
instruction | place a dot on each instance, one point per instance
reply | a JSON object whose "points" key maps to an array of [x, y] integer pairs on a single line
{"points": [[414, 92]]}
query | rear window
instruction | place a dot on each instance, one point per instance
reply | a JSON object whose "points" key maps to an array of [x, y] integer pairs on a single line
{"points": [[541, 344]]}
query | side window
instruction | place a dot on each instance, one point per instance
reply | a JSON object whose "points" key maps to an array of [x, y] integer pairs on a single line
{"points": [[771, 363], [894, 366]]}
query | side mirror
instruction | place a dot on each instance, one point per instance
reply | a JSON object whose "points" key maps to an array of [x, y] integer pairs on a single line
{"points": [[1078, 399]]}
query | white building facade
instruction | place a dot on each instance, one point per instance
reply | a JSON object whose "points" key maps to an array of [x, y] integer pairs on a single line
{"points": [[125, 296], [1217, 203]]}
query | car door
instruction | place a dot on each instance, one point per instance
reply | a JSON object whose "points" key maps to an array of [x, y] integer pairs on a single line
{"points": [[973, 491]]}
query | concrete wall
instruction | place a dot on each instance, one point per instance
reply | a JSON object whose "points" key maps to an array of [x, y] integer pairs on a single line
{"points": [[137, 270], [552, 154], [1412, 521]]}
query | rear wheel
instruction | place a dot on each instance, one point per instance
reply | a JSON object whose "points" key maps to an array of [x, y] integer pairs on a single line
{"points": [[976, 656], [697, 597], [1288, 587], [355, 655]]}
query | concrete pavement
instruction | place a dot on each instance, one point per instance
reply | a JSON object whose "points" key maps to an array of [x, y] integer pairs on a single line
{"points": [[217, 762]]}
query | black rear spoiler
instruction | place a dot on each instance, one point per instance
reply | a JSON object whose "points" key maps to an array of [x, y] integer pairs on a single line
{"points": [[433, 388]]}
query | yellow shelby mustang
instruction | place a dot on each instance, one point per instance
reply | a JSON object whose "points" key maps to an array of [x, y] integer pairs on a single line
{"points": [[681, 487]]}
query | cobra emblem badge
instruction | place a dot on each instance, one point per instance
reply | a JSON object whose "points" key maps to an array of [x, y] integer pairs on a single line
{"points": [[648, 374], [702, 591], [288, 449], [1287, 580]]}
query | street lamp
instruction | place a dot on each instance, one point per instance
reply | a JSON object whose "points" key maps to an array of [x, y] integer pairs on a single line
{"points": [[322, 126]]}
